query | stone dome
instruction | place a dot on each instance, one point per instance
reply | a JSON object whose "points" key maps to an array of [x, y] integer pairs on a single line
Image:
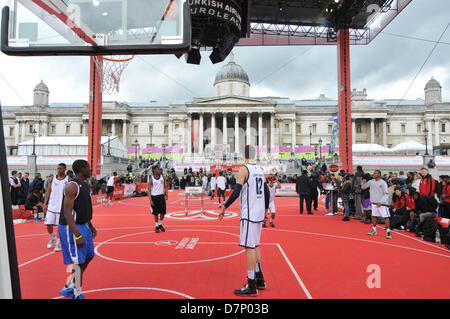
{"points": [[232, 72], [42, 87], [432, 84]]}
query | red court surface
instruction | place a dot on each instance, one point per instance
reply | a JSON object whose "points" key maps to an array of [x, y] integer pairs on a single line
{"points": [[304, 256]]}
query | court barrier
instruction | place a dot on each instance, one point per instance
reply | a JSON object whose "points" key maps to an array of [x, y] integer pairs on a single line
{"points": [[286, 190]]}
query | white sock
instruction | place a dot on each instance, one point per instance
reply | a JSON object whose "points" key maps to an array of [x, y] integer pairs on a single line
{"points": [[77, 291], [251, 274], [52, 236], [374, 228]]}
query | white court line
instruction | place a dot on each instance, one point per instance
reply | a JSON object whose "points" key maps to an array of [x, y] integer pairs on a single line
{"points": [[305, 290], [418, 240], [29, 262], [136, 288]]}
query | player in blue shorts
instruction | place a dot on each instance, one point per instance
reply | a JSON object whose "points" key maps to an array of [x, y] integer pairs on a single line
{"points": [[76, 230]]}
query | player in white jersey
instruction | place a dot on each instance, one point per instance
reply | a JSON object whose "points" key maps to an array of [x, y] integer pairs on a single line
{"points": [[221, 188], [273, 186], [53, 204], [157, 193], [255, 196], [110, 189], [213, 184]]}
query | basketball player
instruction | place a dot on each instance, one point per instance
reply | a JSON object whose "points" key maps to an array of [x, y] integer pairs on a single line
{"points": [[157, 193], [273, 186], [110, 189], [379, 194], [53, 203], [221, 187], [254, 209], [76, 230], [213, 183]]}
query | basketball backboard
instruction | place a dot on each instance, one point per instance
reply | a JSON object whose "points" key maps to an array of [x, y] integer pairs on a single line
{"points": [[95, 27]]}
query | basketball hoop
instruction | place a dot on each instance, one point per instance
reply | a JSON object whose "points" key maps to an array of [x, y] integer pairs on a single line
{"points": [[110, 71]]}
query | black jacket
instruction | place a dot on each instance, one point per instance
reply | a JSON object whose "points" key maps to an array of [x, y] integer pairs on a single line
{"points": [[303, 185], [314, 183]]}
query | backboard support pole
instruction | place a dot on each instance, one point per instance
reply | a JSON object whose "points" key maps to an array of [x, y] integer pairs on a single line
{"points": [[95, 117], [345, 100]]}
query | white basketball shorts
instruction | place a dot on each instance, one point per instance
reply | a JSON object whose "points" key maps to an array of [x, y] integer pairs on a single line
{"points": [[381, 211], [250, 236], [51, 218], [272, 207]]}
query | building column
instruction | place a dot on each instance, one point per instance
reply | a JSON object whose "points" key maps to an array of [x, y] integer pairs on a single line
{"points": [[294, 134], [189, 134], [224, 129], [437, 140], [16, 133], [353, 131], [23, 133], [236, 132], [113, 127], [213, 128], [272, 131], [385, 133], [430, 133], [45, 128], [170, 128], [200, 135], [125, 133], [372, 131], [248, 129], [260, 129]]}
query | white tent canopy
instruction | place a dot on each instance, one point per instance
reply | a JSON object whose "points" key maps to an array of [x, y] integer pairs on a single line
{"points": [[369, 148], [70, 146], [410, 146]]}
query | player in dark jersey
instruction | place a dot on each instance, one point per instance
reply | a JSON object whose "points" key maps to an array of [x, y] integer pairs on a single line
{"points": [[76, 230]]}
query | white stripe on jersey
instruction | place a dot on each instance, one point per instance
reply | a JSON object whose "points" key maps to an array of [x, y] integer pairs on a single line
{"points": [[253, 204]]}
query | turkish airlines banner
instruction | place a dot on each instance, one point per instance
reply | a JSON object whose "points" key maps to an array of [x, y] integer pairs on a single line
{"points": [[142, 188], [287, 189], [442, 161]]}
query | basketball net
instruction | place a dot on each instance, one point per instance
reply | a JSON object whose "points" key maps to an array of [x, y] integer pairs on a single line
{"points": [[110, 71]]}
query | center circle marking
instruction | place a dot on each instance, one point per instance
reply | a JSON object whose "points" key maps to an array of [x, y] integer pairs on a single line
{"points": [[166, 263]]}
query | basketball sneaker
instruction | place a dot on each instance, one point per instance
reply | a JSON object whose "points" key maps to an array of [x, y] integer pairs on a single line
{"points": [[67, 292], [372, 233], [51, 242], [264, 225], [272, 225], [389, 236], [260, 282], [58, 245], [249, 290], [157, 229], [81, 296], [162, 228]]}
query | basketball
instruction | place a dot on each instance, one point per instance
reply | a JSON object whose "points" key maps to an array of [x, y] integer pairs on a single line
{"points": [[334, 167]]}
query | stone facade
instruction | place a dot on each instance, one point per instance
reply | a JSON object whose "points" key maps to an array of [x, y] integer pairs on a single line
{"points": [[272, 120]]}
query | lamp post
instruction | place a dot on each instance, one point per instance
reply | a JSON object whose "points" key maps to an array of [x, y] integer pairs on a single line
{"points": [[109, 144], [136, 144], [425, 131], [34, 141], [310, 135]]}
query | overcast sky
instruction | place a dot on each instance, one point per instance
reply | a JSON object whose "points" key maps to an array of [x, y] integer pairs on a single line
{"points": [[385, 68]]}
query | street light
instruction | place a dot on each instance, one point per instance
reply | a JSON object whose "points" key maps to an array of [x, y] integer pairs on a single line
{"points": [[109, 145], [34, 141], [136, 143], [425, 131]]}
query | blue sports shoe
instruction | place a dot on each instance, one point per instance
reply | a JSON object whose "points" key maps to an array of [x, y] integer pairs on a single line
{"points": [[67, 292], [79, 297]]}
